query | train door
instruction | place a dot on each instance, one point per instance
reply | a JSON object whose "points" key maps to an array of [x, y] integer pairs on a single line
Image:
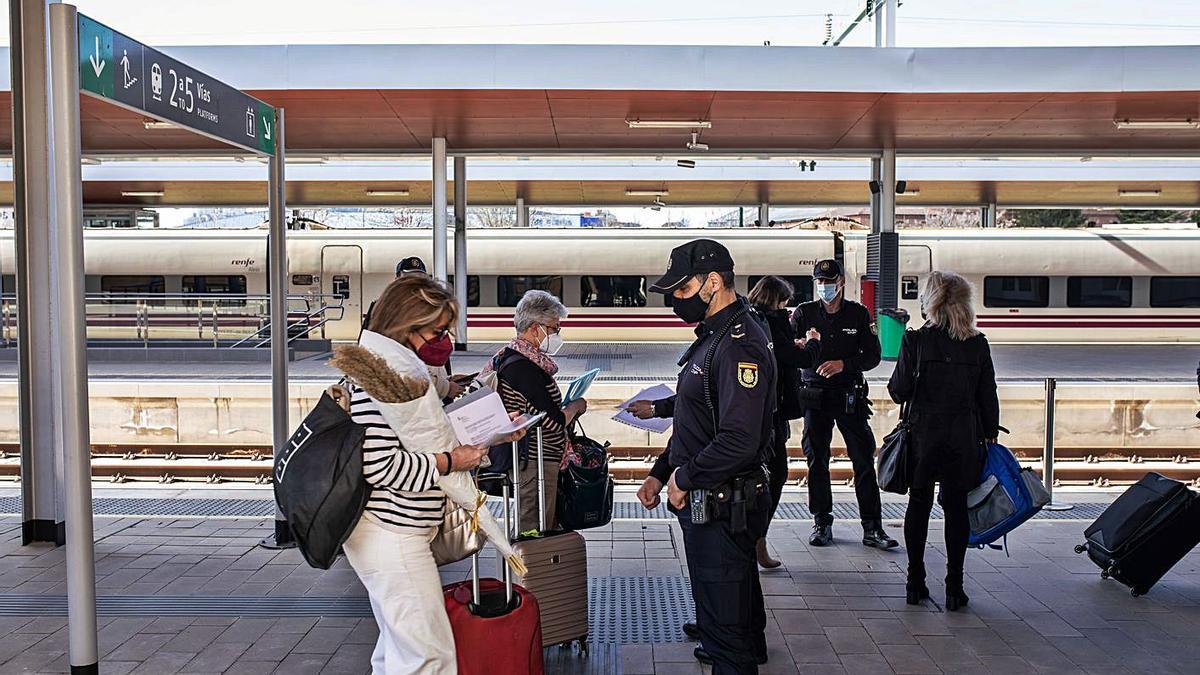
{"points": [[341, 282], [916, 262]]}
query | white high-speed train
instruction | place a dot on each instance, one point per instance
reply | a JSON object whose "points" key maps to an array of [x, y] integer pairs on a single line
{"points": [[1033, 285]]}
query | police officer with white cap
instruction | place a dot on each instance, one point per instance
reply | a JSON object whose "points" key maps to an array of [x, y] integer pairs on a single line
{"points": [[835, 393], [713, 467]]}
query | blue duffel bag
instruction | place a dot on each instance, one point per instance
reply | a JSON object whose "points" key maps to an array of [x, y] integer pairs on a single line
{"points": [[1007, 496]]}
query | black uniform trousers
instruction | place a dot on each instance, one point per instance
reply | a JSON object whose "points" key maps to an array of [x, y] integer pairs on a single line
{"points": [[778, 465], [860, 445], [723, 569]]}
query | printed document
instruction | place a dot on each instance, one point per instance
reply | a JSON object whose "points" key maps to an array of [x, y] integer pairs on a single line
{"points": [[479, 418], [656, 425]]}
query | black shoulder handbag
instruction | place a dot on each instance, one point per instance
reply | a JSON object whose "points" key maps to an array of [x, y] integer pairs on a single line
{"points": [[892, 469]]}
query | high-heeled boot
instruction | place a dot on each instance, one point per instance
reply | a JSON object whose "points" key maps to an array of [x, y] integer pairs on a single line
{"points": [[915, 589], [956, 599], [764, 556]]}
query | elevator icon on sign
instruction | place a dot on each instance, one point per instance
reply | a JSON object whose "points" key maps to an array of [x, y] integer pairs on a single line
{"points": [[250, 122]]}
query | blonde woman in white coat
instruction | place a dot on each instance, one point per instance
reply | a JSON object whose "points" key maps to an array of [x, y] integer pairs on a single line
{"points": [[389, 549]]}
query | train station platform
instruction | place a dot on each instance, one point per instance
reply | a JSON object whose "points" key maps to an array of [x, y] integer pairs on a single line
{"points": [[656, 362], [195, 594]]}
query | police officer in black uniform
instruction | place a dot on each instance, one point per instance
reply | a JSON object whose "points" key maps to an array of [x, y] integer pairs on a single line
{"points": [[713, 466], [835, 392]]}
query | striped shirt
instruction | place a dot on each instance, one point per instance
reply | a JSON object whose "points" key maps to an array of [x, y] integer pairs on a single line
{"points": [[404, 491], [526, 388]]}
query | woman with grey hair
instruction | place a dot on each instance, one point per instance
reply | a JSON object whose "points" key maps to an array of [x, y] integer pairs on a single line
{"points": [[945, 374], [525, 369]]}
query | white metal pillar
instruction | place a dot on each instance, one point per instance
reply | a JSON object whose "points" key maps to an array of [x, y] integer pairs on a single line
{"points": [[439, 209], [878, 19], [69, 351], [891, 23], [37, 314], [764, 214], [522, 213], [277, 271], [460, 249], [887, 191], [877, 181], [989, 215]]}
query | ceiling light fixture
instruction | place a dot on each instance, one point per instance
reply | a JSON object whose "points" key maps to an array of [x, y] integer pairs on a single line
{"points": [[658, 205], [307, 160], [1188, 123], [157, 124], [646, 192], [695, 143], [669, 124], [388, 193], [141, 193], [1140, 192]]}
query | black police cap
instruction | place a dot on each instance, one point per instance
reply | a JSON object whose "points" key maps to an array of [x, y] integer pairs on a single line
{"points": [[828, 269], [695, 257], [410, 264]]}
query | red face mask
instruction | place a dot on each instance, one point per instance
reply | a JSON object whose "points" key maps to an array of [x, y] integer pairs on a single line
{"points": [[436, 352]]}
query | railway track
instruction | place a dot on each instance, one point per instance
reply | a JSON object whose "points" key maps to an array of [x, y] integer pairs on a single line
{"points": [[215, 464]]}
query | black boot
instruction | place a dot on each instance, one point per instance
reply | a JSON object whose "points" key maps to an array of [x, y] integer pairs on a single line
{"points": [[822, 535], [956, 599], [875, 537], [915, 589]]}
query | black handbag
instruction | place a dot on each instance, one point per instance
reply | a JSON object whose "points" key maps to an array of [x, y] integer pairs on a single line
{"points": [[585, 488], [892, 469], [319, 484]]}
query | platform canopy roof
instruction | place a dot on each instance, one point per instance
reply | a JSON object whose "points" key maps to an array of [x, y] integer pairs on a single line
{"points": [[558, 98]]}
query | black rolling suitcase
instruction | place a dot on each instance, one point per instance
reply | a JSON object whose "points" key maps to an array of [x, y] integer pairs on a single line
{"points": [[1142, 534]]}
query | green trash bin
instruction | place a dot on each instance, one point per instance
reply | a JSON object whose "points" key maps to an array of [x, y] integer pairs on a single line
{"points": [[891, 323]]}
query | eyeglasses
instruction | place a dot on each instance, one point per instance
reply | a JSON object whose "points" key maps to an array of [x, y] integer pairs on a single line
{"points": [[438, 333]]}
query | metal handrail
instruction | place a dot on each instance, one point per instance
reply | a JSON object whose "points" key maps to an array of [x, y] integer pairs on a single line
{"points": [[321, 310], [206, 307]]}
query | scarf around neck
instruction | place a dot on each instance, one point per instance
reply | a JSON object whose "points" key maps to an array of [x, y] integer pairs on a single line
{"points": [[528, 350]]}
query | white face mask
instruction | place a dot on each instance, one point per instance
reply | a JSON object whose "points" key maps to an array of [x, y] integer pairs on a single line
{"points": [[827, 292], [551, 343]]}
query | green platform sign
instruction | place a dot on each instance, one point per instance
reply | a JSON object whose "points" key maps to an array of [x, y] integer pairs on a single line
{"points": [[120, 69]]}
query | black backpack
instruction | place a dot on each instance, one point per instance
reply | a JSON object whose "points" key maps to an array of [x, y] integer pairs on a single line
{"points": [[319, 483]]}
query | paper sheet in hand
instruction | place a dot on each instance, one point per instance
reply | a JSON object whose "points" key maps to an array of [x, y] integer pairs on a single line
{"points": [[579, 386], [479, 418], [657, 425]]}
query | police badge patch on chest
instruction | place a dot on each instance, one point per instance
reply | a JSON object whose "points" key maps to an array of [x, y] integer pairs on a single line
{"points": [[747, 374]]}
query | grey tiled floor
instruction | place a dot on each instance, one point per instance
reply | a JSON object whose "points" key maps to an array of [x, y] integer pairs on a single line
{"points": [[832, 610]]}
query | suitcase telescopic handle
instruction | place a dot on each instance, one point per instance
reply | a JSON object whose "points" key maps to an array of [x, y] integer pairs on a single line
{"points": [[505, 571], [541, 483]]}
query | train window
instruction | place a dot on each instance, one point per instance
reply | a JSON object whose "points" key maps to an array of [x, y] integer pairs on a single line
{"points": [[909, 288], [224, 285], [612, 291], [216, 285], [472, 288], [509, 289], [303, 279], [802, 286], [1175, 292], [1016, 291], [126, 284], [341, 286], [1099, 291]]}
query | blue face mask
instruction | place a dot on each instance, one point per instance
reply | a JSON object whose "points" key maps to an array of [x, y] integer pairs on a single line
{"points": [[827, 292]]}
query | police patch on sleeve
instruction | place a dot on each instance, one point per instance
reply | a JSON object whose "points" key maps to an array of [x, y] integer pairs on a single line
{"points": [[747, 374]]}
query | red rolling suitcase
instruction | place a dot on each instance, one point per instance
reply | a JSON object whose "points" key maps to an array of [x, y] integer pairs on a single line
{"points": [[497, 625]]}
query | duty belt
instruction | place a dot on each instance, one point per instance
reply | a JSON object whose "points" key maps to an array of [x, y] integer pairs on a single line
{"points": [[738, 497]]}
